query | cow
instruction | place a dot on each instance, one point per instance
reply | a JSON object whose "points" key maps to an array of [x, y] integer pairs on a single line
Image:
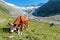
{"points": [[52, 24], [20, 23]]}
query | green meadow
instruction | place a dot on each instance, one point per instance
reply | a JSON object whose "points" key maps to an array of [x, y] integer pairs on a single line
{"points": [[37, 30]]}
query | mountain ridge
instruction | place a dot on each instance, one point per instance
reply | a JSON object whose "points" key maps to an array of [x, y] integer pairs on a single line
{"points": [[49, 9]]}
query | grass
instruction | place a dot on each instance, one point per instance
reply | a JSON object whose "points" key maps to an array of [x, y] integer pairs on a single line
{"points": [[37, 31], [3, 9]]}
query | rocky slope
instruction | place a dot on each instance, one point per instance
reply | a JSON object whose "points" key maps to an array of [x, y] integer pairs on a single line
{"points": [[15, 10]]}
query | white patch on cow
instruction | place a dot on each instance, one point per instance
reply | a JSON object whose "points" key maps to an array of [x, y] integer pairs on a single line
{"points": [[12, 30]]}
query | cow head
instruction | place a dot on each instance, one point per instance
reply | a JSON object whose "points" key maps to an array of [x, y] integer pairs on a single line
{"points": [[11, 27]]}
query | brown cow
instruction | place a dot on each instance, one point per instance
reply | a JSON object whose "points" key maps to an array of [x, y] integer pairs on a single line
{"points": [[19, 23]]}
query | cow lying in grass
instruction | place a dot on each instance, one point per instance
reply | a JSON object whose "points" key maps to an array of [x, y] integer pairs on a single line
{"points": [[19, 23]]}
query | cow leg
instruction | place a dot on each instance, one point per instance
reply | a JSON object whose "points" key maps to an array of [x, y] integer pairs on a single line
{"points": [[20, 30], [22, 25], [26, 27]]}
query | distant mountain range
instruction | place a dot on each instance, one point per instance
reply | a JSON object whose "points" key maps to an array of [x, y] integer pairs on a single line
{"points": [[35, 5]]}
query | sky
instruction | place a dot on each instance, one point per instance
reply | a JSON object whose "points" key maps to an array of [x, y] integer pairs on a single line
{"points": [[26, 2]]}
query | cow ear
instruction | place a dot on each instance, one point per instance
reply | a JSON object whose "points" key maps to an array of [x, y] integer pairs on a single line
{"points": [[12, 24]]}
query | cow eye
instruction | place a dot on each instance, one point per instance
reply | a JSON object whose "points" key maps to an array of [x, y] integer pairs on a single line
{"points": [[14, 24]]}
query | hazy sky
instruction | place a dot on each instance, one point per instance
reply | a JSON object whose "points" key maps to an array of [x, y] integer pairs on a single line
{"points": [[26, 2]]}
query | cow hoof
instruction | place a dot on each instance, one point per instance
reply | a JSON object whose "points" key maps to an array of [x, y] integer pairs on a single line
{"points": [[19, 33]]}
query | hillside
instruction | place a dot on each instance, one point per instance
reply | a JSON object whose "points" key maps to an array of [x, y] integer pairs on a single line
{"points": [[37, 31], [3, 8], [4, 12], [15, 10], [51, 8]]}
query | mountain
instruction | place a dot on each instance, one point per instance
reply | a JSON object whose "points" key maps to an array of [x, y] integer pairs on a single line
{"points": [[53, 0], [15, 10], [40, 4], [30, 5], [51, 8]]}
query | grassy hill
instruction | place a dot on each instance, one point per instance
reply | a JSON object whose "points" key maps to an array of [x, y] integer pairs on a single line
{"points": [[37, 31], [3, 11]]}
